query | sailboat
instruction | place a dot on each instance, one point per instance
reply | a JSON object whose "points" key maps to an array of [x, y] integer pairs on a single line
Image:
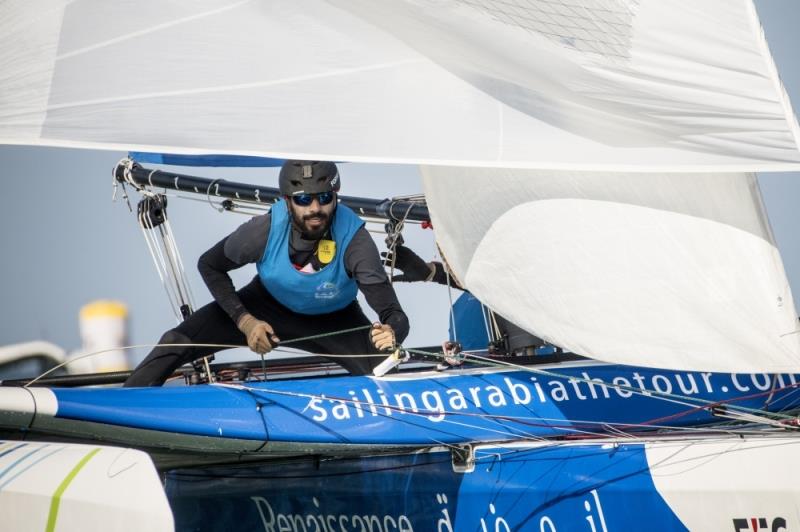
{"points": [[618, 133]]}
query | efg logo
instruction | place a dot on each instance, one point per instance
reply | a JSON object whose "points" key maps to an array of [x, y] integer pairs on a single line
{"points": [[756, 524]]}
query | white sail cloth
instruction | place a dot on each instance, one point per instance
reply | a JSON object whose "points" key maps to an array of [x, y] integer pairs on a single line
{"points": [[676, 271], [666, 270], [628, 85]]}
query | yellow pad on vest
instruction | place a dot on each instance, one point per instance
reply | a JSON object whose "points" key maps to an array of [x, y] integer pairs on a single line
{"points": [[326, 250]]}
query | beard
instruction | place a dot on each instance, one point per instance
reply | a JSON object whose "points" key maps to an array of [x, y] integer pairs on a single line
{"points": [[312, 226]]}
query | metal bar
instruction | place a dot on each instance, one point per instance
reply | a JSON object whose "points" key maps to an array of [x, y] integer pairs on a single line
{"points": [[386, 209]]}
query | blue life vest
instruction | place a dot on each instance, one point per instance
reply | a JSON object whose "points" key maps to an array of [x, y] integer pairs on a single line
{"points": [[321, 292]]}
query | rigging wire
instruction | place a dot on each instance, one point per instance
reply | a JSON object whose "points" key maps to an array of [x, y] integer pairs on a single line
{"points": [[450, 298], [500, 451], [250, 208], [155, 254], [650, 424], [669, 397], [723, 402], [154, 222], [164, 252], [214, 182], [791, 405], [495, 327], [572, 431], [484, 311], [419, 413], [575, 428], [222, 346]]}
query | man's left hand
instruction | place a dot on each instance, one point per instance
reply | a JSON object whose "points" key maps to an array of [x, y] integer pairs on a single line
{"points": [[382, 337], [411, 264]]}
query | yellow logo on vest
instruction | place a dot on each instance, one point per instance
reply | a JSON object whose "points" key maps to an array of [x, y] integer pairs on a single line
{"points": [[326, 250]]}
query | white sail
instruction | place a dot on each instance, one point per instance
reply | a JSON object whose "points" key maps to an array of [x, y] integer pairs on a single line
{"points": [[664, 270], [667, 269], [597, 84]]}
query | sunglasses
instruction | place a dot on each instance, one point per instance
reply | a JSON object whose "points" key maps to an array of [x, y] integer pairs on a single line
{"points": [[304, 200]]}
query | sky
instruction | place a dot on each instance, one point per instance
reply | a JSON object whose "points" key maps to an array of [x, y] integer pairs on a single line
{"points": [[65, 243]]}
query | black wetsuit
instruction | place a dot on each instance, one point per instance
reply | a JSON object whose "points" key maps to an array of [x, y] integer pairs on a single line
{"points": [[215, 323]]}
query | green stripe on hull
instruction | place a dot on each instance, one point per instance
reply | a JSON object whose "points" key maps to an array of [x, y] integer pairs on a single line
{"points": [[54, 504]]}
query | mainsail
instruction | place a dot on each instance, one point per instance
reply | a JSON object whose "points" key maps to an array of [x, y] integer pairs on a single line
{"points": [[583, 84], [615, 133]]}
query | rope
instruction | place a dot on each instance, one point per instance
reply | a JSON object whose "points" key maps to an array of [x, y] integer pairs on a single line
{"points": [[418, 413], [484, 311], [450, 298], [694, 403], [578, 428], [126, 164], [208, 193], [241, 206], [393, 238], [221, 346], [675, 398]]}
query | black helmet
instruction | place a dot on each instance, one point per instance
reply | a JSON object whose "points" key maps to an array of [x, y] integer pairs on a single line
{"points": [[308, 177]]}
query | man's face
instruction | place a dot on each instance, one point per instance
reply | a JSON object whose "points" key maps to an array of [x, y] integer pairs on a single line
{"points": [[314, 219]]}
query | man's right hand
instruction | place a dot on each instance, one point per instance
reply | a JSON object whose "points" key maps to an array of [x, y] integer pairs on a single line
{"points": [[382, 337], [260, 336]]}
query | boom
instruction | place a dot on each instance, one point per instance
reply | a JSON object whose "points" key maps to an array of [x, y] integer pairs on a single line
{"points": [[391, 210]]}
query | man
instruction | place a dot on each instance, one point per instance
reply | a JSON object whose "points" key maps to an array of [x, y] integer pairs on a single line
{"points": [[312, 256]]}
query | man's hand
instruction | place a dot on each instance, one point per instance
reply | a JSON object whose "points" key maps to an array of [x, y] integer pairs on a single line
{"points": [[382, 337], [412, 266], [260, 336]]}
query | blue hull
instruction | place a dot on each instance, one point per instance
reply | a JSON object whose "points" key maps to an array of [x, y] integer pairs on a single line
{"points": [[577, 488], [659, 484], [433, 408]]}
